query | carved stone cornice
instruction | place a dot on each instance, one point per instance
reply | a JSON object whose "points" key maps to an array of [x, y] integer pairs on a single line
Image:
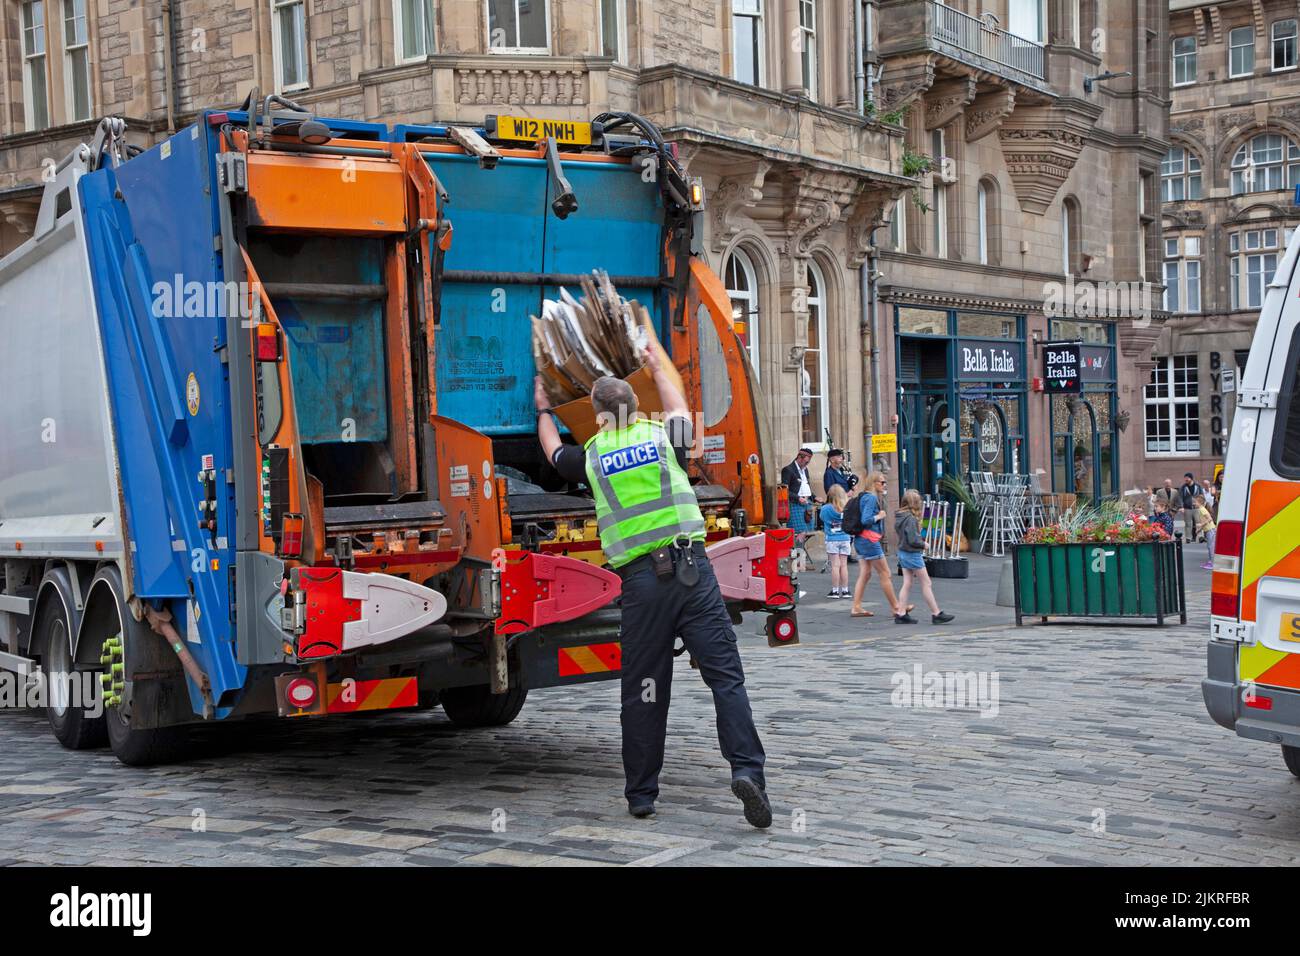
{"points": [[945, 101], [988, 111], [905, 80], [865, 215], [733, 195], [1227, 121], [1039, 161], [1137, 339], [1041, 144], [815, 201]]}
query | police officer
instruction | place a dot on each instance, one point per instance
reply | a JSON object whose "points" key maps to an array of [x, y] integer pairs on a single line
{"points": [[652, 533]]}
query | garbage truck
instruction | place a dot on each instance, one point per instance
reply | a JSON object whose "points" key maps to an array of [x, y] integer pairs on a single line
{"points": [[267, 446]]}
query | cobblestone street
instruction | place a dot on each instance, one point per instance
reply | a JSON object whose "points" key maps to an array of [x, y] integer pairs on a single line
{"points": [[1099, 751]]}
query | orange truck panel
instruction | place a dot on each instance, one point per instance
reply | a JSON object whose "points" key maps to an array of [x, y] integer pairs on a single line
{"points": [[325, 195]]}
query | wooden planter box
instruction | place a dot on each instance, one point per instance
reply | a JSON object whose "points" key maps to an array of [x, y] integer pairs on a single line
{"points": [[1095, 580]]}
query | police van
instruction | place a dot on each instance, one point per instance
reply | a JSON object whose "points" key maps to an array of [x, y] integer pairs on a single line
{"points": [[1253, 668]]}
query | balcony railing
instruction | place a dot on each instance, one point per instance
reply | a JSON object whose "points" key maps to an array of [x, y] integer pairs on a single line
{"points": [[974, 41]]}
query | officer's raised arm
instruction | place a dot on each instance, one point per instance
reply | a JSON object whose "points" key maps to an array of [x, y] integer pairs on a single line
{"points": [[673, 401]]}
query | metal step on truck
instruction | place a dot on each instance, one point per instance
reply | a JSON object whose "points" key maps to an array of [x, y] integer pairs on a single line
{"points": [[267, 440]]}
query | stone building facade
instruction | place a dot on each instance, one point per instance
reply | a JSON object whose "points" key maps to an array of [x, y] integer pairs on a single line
{"points": [[795, 176], [1228, 184], [1037, 224], [858, 280]]}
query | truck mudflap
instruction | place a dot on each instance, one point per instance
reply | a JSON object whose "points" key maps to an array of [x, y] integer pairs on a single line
{"points": [[338, 611]]}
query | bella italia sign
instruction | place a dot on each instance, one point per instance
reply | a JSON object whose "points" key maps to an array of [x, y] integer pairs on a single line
{"points": [[987, 361], [1062, 367]]}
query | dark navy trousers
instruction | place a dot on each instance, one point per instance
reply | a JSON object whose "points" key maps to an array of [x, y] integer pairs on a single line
{"points": [[655, 613]]}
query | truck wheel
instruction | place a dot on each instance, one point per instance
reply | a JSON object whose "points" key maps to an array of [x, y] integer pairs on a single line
{"points": [[1292, 757], [479, 707], [73, 726], [143, 748]]}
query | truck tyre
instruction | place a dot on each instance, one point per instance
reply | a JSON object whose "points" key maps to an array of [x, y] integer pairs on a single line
{"points": [[73, 726], [479, 707], [143, 747], [135, 747], [1292, 757]]}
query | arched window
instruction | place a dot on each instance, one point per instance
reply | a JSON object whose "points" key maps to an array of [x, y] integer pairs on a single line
{"points": [[1070, 232], [982, 221], [814, 404], [1180, 175], [988, 222], [742, 289], [1269, 161]]}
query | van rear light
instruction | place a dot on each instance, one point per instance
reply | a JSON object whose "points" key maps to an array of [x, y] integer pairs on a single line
{"points": [[291, 536], [1225, 582], [1258, 702], [783, 504]]}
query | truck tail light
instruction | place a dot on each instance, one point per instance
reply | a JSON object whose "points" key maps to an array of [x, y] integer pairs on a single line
{"points": [[1225, 582], [1258, 702], [291, 536], [268, 342], [301, 693], [503, 511], [783, 504]]}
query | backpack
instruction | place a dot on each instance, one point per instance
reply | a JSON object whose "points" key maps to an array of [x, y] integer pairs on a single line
{"points": [[851, 523]]}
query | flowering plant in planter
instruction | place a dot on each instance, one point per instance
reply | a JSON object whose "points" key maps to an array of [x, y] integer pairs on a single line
{"points": [[1107, 524]]}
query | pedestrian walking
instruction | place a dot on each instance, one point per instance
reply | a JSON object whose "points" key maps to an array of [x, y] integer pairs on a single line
{"points": [[911, 556], [652, 534], [868, 542], [1205, 527], [837, 540], [1187, 502]]}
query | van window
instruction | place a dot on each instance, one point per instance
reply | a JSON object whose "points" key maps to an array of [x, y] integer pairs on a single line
{"points": [[1286, 444]]}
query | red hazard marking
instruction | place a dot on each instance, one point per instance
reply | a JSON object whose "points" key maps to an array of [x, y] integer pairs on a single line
{"points": [[327, 611], [590, 659]]}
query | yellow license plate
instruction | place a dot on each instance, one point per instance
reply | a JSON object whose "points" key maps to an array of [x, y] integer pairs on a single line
{"points": [[529, 130], [1290, 629]]}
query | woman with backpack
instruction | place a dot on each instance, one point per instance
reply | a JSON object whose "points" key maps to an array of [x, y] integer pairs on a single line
{"points": [[864, 518], [911, 557]]}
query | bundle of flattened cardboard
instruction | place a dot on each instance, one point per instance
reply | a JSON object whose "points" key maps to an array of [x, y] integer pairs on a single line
{"points": [[576, 341]]}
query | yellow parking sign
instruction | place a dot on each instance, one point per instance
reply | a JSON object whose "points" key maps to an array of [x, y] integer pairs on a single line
{"points": [[884, 444]]}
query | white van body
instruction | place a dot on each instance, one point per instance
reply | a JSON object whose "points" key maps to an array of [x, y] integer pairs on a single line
{"points": [[1253, 668]]}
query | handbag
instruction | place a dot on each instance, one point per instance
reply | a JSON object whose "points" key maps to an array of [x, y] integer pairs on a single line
{"points": [[872, 536]]}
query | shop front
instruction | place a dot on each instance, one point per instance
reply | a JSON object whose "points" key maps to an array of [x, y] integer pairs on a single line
{"points": [[961, 390], [1085, 423]]}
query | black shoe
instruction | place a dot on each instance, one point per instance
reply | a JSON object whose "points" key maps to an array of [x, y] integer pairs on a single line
{"points": [[943, 617], [758, 809], [904, 619], [642, 810]]}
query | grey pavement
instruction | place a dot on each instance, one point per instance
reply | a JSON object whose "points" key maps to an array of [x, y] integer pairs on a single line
{"points": [[1098, 751]]}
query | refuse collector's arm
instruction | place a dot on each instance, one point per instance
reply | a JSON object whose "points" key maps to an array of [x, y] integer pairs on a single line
{"points": [[547, 432]]}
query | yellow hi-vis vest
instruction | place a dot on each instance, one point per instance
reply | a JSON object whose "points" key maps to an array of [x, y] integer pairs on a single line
{"points": [[643, 497]]}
